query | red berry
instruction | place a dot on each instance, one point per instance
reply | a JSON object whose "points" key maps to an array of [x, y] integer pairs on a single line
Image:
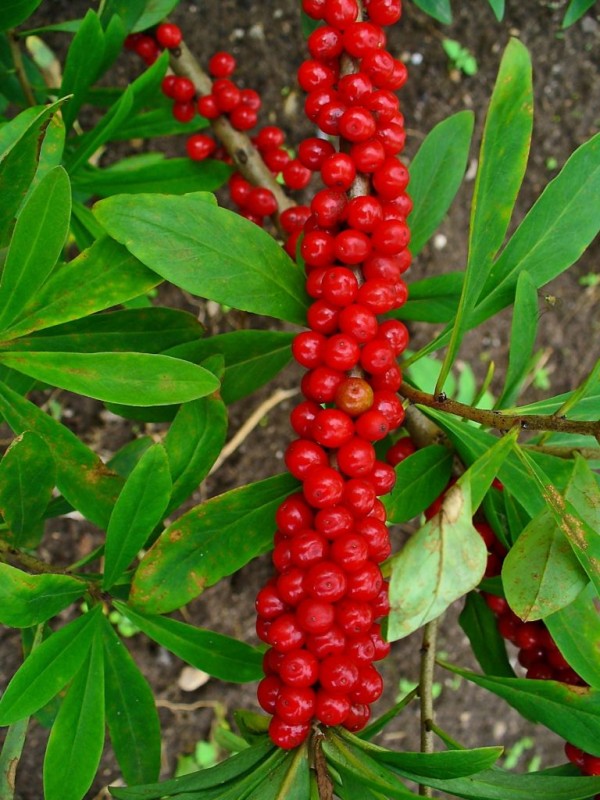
{"points": [[313, 151], [207, 106], [372, 425], [354, 88], [354, 396], [287, 735], [338, 674], [385, 12], [402, 449], [391, 179], [285, 634], [321, 384], [362, 37], [261, 201], [340, 13], [227, 95], [341, 352], [184, 112], [353, 616], [168, 35], [365, 583], [331, 709], [200, 146], [338, 171], [359, 321], [357, 717], [359, 496], [326, 581], [356, 458], [243, 118], [303, 455], [574, 754], [368, 688], [364, 213], [167, 85], [290, 586], [352, 247], [325, 43], [293, 515], [221, 65], [323, 487], [357, 124], [350, 551], [296, 175], [314, 75], [183, 90], [299, 668], [308, 547], [323, 317], [267, 692], [336, 520], [269, 604], [332, 428], [315, 616], [325, 645], [361, 650]]}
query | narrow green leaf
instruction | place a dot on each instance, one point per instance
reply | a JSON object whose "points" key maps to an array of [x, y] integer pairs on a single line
{"points": [[444, 560], [438, 9], [449, 764], [553, 235], [103, 276], [83, 479], [19, 157], [420, 478], [14, 12], [541, 573], [575, 11], [125, 459], [48, 669], [36, 244], [139, 508], [290, 780], [27, 478], [502, 162], [168, 176], [479, 623], [252, 358], [154, 12], [82, 65], [571, 711], [130, 712], [128, 11], [156, 122], [481, 473], [497, 8], [436, 173], [139, 379], [432, 299], [193, 443], [175, 236], [498, 784], [140, 330], [348, 759], [27, 600], [212, 540], [249, 760], [522, 339], [77, 738], [576, 631]]}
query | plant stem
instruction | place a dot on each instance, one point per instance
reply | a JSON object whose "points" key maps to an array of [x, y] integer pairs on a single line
{"points": [[589, 453], [17, 57], [11, 555], [426, 691], [319, 765], [246, 157], [498, 420], [14, 743]]}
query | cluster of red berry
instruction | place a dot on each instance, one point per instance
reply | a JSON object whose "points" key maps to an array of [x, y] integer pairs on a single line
{"points": [[320, 613], [148, 47]]}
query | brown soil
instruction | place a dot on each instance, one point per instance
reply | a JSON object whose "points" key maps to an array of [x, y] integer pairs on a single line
{"points": [[266, 39]]}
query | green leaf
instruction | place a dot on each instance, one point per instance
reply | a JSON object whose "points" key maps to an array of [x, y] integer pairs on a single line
{"points": [[420, 478], [77, 737], [103, 276], [139, 508], [130, 712], [125, 459], [438, 9], [157, 122], [82, 65], [14, 12], [498, 8], [141, 330], [432, 299], [541, 573], [27, 478], [252, 358], [212, 540], [19, 157], [442, 561], [479, 623], [193, 443], [36, 244], [449, 764], [571, 711], [522, 339], [48, 669], [575, 11], [290, 780], [436, 173], [481, 473], [497, 784], [348, 759], [83, 479], [175, 236], [154, 12], [502, 162], [576, 631], [168, 176], [27, 600], [139, 379], [553, 235]]}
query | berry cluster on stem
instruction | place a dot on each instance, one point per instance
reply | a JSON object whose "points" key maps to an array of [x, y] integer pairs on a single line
{"points": [[320, 613]]}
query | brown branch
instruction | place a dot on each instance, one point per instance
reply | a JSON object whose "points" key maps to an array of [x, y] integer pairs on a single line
{"points": [[319, 765], [17, 57], [589, 453], [426, 691], [498, 420], [246, 157]]}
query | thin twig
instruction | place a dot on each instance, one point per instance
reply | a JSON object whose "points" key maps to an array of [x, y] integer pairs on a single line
{"points": [[498, 420], [13, 556], [426, 691], [246, 157], [232, 445], [589, 453], [176, 707], [17, 57], [318, 763]]}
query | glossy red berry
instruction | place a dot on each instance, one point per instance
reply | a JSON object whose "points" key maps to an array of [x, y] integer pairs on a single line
{"points": [[287, 735], [323, 487], [200, 146], [338, 674], [221, 65], [299, 668], [168, 35]]}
